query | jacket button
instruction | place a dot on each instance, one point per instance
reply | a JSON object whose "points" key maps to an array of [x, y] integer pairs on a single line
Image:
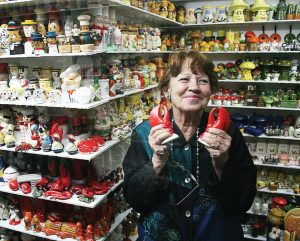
{"points": [[186, 147], [187, 213], [187, 180]]}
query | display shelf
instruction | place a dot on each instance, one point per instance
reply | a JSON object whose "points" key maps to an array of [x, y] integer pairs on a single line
{"points": [[248, 236], [139, 52], [21, 228], [252, 213], [142, 16], [249, 52], [119, 219], [72, 201], [18, 56], [279, 191], [263, 136], [80, 106], [257, 163], [255, 107], [244, 24], [80, 156], [260, 82]]}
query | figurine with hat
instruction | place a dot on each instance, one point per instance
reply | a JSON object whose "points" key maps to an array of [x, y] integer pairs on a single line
{"points": [[37, 43], [15, 38], [260, 9], [29, 26], [238, 7], [52, 42]]}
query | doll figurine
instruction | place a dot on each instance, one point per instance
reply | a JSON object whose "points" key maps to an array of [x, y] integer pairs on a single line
{"points": [[57, 146], [52, 42], [35, 138], [57, 134], [45, 137], [14, 218], [10, 140], [71, 147]]}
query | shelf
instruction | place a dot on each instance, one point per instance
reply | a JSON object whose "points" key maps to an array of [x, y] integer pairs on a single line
{"points": [[88, 157], [279, 191], [252, 213], [276, 166], [119, 219], [247, 236], [140, 52], [245, 24], [141, 16], [260, 81], [249, 52], [17, 56], [21, 228], [72, 201], [80, 106], [263, 136], [255, 107]]}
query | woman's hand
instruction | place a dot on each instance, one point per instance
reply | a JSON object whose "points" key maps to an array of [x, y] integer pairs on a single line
{"points": [[219, 143], [160, 152]]}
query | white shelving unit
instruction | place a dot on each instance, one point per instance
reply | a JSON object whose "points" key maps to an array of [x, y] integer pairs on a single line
{"points": [[80, 106], [262, 238], [260, 82], [244, 24], [21, 228], [279, 191], [118, 220], [80, 156], [287, 138], [256, 107], [257, 163], [72, 201]]}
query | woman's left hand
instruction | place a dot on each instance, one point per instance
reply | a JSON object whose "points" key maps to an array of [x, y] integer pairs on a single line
{"points": [[219, 143]]}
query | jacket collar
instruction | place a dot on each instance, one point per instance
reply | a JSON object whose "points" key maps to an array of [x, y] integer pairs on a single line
{"points": [[193, 139]]}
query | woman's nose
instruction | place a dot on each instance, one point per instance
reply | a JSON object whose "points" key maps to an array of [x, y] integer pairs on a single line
{"points": [[193, 85]]}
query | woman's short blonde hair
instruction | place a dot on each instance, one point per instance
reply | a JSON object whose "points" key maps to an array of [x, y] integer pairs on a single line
{"points": [[199, 64]]}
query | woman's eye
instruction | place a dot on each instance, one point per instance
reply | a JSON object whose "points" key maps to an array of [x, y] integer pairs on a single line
{"points": [[184, 80], [203, 81]]}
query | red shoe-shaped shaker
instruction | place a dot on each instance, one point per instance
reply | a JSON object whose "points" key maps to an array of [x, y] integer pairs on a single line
{"points": [[160, 115], [218, 118]]}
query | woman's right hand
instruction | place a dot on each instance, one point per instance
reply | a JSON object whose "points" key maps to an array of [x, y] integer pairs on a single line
{"points": [[160, 152]]}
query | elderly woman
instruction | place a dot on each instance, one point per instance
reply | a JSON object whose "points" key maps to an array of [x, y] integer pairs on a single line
{"points": [[186, 190]]}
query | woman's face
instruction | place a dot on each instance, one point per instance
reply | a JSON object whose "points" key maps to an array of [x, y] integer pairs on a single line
{"points": [[189, 92]]}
